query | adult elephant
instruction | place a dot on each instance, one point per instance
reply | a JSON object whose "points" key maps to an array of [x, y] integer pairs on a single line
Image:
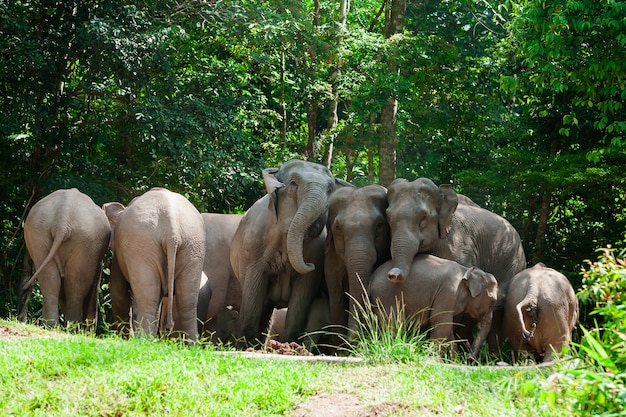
{"points": [[426, 218], [159, 246], [277, 252], [223, 289], [357, 242], [67, 235]]}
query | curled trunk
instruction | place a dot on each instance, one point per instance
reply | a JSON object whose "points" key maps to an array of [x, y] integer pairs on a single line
{"points": [[312, 207]]}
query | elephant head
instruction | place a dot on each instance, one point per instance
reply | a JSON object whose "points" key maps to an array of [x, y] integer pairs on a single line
{"points": [[480, 300], [419, 215], [357, 241], [299, 190]]}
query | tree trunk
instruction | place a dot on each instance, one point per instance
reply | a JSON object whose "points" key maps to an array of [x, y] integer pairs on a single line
{"points": [[333, 117], [313, 105], [542, 227], [394, 24]]}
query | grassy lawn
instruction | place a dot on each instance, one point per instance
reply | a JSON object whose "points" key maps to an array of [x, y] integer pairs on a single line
{"points": [[56, 374]]}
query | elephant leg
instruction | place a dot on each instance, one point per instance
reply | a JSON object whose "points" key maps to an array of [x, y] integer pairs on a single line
{"points": [[50, 285], [77, 287], [495, 336], [254, 291], [186, 289], [120, 298], [304, 290], [442, 326], [146, 290]]}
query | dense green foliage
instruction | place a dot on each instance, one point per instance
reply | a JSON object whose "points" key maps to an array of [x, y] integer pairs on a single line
{"points": [[518, 103]]}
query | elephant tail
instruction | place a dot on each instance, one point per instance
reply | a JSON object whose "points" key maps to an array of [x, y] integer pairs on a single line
{"points": [[531, 311], [59, 237], [172, 248]]}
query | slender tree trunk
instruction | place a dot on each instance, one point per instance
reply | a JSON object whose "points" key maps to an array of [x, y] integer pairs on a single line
{"points": [[313, 105], [542, 227], [370, 165], [283, 106], [394, 24], [333, 116]]}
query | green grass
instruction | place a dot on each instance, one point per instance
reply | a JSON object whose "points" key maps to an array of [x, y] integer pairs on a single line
{"points": [[88, 376]]}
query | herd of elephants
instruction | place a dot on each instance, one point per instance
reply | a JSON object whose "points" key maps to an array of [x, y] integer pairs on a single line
{"points": [[305, 256]]}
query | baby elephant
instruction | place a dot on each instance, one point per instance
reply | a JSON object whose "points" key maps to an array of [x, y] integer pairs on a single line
{"points": [[540, 312], [439, 293]]}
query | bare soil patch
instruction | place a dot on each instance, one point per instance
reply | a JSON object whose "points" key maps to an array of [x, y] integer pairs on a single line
{"points": [[346, 405]]}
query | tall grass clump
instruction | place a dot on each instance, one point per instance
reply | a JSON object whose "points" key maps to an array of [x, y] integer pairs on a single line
{"points": [[594, 383], [386, 335]]}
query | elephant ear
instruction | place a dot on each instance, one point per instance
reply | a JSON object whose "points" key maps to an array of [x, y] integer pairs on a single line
{"points": [[113, 211], [341, 183], [449, 202], [474, 281], [272, 185]]}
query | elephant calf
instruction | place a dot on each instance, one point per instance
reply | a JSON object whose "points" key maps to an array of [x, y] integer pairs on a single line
{"points": [[438, 293], [540, 312]]}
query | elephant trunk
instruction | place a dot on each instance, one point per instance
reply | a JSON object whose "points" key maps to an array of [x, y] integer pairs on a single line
{"points": [[312, 207], [359, 265], [403, 250], [484, 326]]}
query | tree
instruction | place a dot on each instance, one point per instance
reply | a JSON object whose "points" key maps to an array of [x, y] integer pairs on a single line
{"points": [[394, 24]]}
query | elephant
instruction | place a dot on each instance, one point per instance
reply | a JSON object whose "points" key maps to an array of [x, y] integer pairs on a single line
{"points": [[158, 251], [540, 312], [277, 253], [67, 236], [223, 287], [430, 219], [438, 293], [357, 242]]}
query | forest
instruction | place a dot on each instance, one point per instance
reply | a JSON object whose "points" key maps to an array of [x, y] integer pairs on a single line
{"points": [[519, 104]]}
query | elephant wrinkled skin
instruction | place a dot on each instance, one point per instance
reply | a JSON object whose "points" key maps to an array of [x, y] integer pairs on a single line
{"points": [[223, 289], [67, 236], [430, 219], [159, 246], [540, 312], [357, 242], [277, 252]]}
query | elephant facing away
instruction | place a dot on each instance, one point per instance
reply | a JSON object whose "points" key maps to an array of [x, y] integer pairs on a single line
{"points": [[67, 236], [438, 293], [540, 312], [223, 288], [357, 242], [430, 219], [159, 246], [277, 253]]}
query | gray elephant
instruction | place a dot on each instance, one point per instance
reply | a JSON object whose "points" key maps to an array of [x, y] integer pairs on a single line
{"points": [[223, 288], [357, 242], [158, 251], [540, 312], [67, 236], [277, 253], [430, 219], [438, 293]]}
